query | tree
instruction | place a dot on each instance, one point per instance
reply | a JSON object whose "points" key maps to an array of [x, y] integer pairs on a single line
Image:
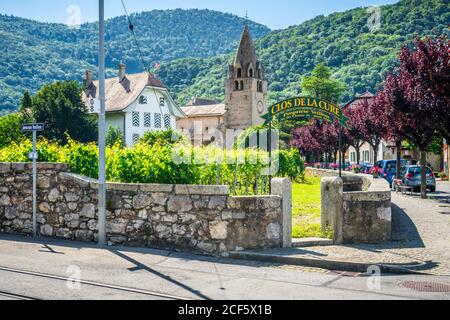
{"points": [[321, 85], [393, 132], [26, 103], [417, 96], [370, 119], [320, 139], [60, 108], [355, 135], [11, 129]]}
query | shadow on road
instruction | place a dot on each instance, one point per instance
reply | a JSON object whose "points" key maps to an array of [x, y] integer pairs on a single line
{"points": [[404, 230], [140, 266]]}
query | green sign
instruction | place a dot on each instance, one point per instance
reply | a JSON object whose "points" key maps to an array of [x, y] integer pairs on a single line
{"points": [[306, 108]]}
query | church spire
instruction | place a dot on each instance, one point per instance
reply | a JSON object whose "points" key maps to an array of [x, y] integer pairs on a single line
{"points": [[246, 53]]}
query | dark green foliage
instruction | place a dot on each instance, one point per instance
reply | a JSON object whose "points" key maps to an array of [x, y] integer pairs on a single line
{"points": [[26, 103], [60, 108], [115, 136], [34, 53], [320, 84], [358, 57]]}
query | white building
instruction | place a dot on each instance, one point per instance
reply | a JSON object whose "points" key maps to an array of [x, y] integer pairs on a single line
{"points": [[135, 104]]}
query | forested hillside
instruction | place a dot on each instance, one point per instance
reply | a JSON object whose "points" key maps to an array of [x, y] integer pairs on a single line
{"points": [[35, 53], [358, 56], [195, 46]]}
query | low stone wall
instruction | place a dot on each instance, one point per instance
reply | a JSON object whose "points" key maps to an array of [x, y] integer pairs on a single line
{"points": [[194, 218], [357, 207]]}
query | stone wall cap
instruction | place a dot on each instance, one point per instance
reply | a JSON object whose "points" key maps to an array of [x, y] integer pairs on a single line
{"points": [[158, 188], [28, 165], [5, 167], [202, 190], [256, 197], [85, 181]]}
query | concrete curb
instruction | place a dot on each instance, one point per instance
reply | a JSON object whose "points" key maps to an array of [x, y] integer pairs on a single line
{"points": [[323, 264]]}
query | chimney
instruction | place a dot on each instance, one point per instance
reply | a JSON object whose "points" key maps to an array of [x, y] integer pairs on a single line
{"points": [[88, 79], [122, 69]]}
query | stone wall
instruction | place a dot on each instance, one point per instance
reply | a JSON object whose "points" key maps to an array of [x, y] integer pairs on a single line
{"points": [[194, 218], [357, 207]]}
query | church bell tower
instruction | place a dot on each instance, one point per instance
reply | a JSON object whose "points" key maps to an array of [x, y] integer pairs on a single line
{"points": [[246, 97]]}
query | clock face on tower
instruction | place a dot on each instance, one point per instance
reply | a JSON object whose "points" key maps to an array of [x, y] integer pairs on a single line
{"points": [[260, 107]]}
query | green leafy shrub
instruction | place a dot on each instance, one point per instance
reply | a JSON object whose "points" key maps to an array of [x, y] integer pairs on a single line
{"points": [[114, 136], [165, 137], [164, 163], [11, 129]]}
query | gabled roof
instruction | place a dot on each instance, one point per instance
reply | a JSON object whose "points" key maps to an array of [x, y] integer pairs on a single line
{"points": [[365, 96], [205, 111], [195, 102], [121, 94]]}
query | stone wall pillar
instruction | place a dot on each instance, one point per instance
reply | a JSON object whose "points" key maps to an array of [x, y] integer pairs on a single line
{"points": [[332, 191], [283, 187]]}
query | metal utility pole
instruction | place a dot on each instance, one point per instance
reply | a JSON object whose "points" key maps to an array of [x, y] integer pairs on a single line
{"points": [[101, 130], [34, 186]]}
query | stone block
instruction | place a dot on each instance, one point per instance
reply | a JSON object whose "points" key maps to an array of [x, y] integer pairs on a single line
{"points": [[71, 197], [5, 167], [217, 203], [126, 187], [179, 204], [46, 230], [43, 182], [159, 199], [18, 167], [218, 230], [53, 195], [156, 188], [273, 231], [5, 200], [44, 207], [142, 201], [88, 211], [202, 190], [233, 215]]}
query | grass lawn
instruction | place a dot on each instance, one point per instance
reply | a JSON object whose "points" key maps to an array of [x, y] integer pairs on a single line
{"points": [[306, 209]]}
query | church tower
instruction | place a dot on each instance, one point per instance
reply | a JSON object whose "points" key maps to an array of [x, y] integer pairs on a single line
{"points": [[246, 97]]}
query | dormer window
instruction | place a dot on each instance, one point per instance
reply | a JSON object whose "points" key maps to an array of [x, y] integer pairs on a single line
{"points": [[239, 73], [143, 100]]}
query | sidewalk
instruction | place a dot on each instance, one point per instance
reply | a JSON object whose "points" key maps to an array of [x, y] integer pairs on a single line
{"points": [[421, 243]]}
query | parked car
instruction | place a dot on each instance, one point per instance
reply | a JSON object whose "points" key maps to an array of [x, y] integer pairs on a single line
{"points": [[389, 169], [365, 167], [412, 176]]}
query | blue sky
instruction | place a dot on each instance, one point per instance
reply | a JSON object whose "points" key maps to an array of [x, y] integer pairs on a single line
{"points": [[276, 14]]}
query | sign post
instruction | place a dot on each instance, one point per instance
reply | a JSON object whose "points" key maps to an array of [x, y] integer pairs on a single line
{"points": [[307, 108], [34, 128]]}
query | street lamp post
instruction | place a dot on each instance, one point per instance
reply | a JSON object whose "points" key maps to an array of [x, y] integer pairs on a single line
{"points": [[101, 131]]}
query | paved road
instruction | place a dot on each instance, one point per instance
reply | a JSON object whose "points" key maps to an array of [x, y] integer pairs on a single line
{"points": [[39, 270]]}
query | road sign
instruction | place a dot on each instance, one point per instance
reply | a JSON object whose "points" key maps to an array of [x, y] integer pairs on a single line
{"points": [[33, 127], [94, 105]]}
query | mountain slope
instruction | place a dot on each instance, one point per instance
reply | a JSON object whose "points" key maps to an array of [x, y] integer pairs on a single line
{"points": [[343, 41], [36, 53]]}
